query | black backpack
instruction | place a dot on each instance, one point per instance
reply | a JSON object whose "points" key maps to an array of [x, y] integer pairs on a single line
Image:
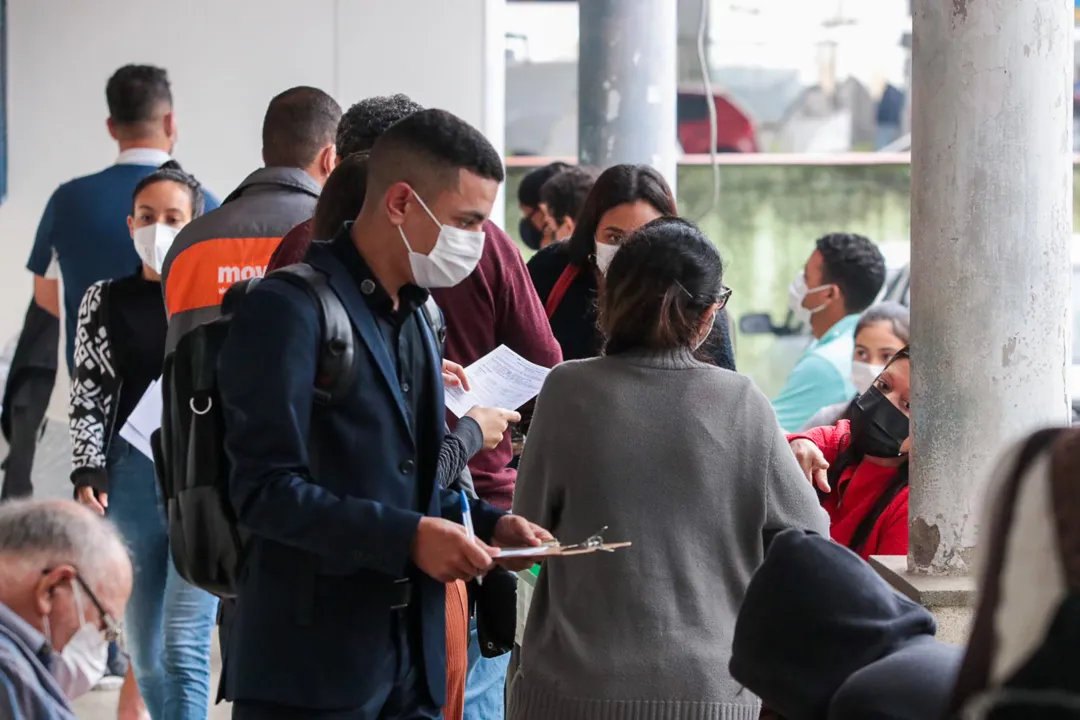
{"points": [[206, 540], [189, 455], [1047, 685]]}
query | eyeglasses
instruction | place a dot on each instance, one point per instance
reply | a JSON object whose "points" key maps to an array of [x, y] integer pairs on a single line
{"points": [[112, 628], [725, 295]]}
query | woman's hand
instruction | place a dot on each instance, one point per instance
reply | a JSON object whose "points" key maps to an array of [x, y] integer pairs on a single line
{"points": [[812, 462], [515, 531], [453, 375], [97, 503], [493, 423]]}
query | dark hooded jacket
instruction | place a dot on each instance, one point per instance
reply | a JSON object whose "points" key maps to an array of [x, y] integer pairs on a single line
{"points": [[821, 636]]}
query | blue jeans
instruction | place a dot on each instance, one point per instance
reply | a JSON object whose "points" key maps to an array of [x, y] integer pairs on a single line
{"points": [[168, 622], [485, 683]]}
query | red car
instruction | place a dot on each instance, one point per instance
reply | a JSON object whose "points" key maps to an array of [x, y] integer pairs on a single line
{"points": [[734, 130]]}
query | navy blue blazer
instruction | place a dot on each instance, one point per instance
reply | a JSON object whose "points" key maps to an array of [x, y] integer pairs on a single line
{"points": [[327, 492]]}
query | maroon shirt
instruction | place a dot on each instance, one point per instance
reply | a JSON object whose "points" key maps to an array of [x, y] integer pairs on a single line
{"points": [[293, 247], [496, 305]]}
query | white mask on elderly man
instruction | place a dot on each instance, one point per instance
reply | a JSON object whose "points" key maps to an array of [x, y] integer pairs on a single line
{"points": [[152, 243], [83, 661], [454, 257], [863, 375]]}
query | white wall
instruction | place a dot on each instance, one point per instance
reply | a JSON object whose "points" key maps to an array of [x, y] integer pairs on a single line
{"points": [[226, 59]]}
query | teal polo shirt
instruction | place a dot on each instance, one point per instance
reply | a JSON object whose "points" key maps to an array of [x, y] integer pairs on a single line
{"points": [[822, 377]]}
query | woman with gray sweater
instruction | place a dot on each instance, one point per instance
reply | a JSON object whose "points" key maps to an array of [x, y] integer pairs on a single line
{"points": [[678, 456]]}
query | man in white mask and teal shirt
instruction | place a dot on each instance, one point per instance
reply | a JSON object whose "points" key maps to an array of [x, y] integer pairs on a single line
{"points": [[842, 278], [65, 578]]}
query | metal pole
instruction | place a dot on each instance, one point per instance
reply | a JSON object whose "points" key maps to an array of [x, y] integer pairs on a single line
{"points": [[627, 83], [991, 218]]}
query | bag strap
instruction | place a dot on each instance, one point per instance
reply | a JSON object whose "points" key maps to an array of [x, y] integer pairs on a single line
{"points": [[974, 674], [336, 369], [436, 322], [1065, 495], [862, 532], [566, 279]]}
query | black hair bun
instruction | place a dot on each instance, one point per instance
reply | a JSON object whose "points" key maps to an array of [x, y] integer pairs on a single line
{"points": [[170, 165]]}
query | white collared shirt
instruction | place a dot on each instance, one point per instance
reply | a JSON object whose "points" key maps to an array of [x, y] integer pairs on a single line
{"points": [[143, 156]]}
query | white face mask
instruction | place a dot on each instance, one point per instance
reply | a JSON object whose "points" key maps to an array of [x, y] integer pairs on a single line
{"points": [[453, 258], [152, 242], [604, 255], [83, 661], [797, 293], [863, 375]]}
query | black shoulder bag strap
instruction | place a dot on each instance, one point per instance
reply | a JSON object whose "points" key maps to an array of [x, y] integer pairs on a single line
{"points": [[862, 532], [336, 369]]}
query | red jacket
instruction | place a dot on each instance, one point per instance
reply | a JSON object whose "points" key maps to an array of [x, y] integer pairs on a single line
{"points": [[855, 494]]}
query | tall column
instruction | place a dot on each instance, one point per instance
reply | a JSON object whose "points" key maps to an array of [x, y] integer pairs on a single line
{"points": [[991, 218], [627, 83]]}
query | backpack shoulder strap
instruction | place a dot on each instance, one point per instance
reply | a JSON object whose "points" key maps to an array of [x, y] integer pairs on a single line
{"points": [[1065, 492], [974, 674], [336, 369], [436, 321], [566, 279]]}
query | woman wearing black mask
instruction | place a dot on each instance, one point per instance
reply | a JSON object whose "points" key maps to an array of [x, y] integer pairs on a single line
{"points": [[860, 467]]}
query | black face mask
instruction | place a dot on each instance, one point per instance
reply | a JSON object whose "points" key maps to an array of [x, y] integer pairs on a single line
{"points": [[878, 428], [532, 237]]}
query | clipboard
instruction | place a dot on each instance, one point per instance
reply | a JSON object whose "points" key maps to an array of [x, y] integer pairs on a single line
{"points": [[592, 544]]}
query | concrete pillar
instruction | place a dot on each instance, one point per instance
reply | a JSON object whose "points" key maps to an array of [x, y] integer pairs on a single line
{"points": [[627, 83], [991, 218]]}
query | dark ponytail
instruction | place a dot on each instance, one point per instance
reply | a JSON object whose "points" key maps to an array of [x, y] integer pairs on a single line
{"points": [[171, 171]]}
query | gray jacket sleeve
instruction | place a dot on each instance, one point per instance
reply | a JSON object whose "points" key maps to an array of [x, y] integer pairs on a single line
{"points": [[790, 499], [538, 494]]}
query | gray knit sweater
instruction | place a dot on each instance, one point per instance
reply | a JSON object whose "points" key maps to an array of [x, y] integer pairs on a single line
{"points": [[688, 462]]}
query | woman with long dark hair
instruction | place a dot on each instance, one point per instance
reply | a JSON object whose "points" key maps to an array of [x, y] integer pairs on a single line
{"points": [[682, 458], [568, 276], [860, 466]]}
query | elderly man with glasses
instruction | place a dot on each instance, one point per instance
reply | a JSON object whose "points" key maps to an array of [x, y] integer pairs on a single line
{"points": [[65, 578]]}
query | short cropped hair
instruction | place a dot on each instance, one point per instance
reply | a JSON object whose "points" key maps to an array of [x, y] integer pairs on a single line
{"points": [[565, 193], [855, 265], [138, 94], [528, 192], [364, 122], [299, 123], [55, 532], [427, 149]]}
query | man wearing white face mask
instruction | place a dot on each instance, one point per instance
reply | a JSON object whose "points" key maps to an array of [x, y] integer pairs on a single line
{"points": [[842, 278], [352, 538], [65, 578]]}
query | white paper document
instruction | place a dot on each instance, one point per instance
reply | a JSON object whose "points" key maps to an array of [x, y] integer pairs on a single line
{"points": [[501, 379], [144, 420]]}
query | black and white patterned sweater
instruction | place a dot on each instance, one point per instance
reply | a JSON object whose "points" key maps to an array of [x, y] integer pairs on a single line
{"points": [[119, 351]]}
